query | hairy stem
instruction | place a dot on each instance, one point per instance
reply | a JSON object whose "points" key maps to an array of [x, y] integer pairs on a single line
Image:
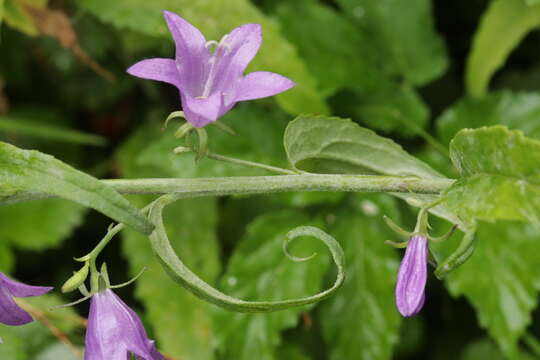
{"points": [[246, 185]]}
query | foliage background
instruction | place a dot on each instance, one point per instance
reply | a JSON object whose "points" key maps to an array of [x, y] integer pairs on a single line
{"points": [[416, 71]]}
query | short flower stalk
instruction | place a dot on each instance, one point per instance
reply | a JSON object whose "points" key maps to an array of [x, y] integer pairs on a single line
{"points": [[412, 274]]}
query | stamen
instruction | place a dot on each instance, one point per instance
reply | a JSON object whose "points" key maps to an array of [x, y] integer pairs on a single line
{"points": [[210, 43]]}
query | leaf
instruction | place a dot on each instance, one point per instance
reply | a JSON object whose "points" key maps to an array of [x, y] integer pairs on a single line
{"points": [[516, 110], [317, 143], [390, 107], [31, 170], [404, 35], [361, 321], [325, 37], [56, 351], [379, 100], [504, 288], [333, 145], [7, 260], [50, 132], [1, 11], [181, 322], [258, 269], [481, 349], [500, 175], [17, 16], [39, 224], [12, 346], [504, 24], [276, 53]]}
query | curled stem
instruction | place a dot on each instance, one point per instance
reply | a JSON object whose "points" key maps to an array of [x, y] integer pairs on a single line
{"points": [[458, 257], [183, 275]]}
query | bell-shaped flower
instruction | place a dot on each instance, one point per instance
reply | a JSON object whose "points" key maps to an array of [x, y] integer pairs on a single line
{"points": [[10, 312], [115, 331], [412, 277], [211, 83]]}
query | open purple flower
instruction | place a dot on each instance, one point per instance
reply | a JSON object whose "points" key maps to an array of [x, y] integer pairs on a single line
{"points": [[115, 331], [412, 277], [211, 83], [10, 312]]}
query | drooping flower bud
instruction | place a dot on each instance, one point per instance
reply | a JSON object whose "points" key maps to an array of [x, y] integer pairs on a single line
{"points": [[412, 277], [115, 331]]}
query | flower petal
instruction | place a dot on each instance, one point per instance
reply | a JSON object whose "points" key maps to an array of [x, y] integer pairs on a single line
{"points": [[19, 289], [261, 84], [156, 69], [191, 53], [412, 277], [114, 331], [201, 111], [10, 312], [234, 53]]}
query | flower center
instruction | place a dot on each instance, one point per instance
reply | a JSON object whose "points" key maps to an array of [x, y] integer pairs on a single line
{"points": [[221, 48]]}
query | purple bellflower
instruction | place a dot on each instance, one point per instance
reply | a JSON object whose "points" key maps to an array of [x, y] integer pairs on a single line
{"points": [[211, 83], [115, 331], [10, 312], [412, 276]]}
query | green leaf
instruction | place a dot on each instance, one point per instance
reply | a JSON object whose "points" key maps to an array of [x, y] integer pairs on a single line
{"points": [[482, 349], [323, 144], [326, 37], [7, 260], [32, 170], [17, 125], [16, 16], [171, 310], [360, 321], [258, 269], [390, 107], [516, 110], [56, 351], [1, 11], [532, 2], [333, 145], [39, 224], [276, 53], [500, 281], [500, 175], [13, 346], [403, 33], [504, 24]]}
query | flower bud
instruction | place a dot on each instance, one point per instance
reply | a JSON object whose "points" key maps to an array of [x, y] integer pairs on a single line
{"points": [[412, 277]]}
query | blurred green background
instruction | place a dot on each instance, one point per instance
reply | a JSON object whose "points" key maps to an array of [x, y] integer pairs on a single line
{"points": [[416, 71]]}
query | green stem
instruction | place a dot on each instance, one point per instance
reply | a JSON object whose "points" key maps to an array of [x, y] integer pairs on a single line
{"points": [[250, 185], [232, 160]]}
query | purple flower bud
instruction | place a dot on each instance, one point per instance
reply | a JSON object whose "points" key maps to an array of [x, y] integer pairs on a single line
{"points": [[412, 277], [211, 83], [115, 331], [10, 312]]}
